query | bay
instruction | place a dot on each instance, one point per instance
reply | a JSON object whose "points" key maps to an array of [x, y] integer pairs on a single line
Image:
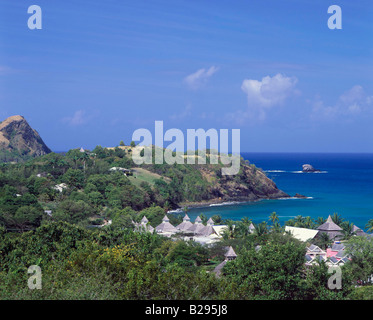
{"points": [[345, 186]]}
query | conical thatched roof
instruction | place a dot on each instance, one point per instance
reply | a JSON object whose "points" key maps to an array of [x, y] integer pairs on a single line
{"points": [[206, 231], [165, 219], [230, 253], [210, 222], [330, 228], [329, 225], [185, 225], [198, 220], [196, 228], [143, 225], [144, 220], [358, 231], [165, 226]]}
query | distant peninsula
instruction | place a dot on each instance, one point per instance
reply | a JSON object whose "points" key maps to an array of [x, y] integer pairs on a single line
{"points": [[181, 185]]}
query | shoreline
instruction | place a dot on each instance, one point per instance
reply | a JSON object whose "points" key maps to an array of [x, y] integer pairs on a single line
{"points": [[231, 201], [226, 202]]}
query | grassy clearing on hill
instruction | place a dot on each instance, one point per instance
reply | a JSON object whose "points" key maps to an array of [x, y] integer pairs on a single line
{"points": [[143, 175]]}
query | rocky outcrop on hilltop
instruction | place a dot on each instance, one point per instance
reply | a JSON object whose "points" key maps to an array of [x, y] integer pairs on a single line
{"points": [[18, 140]]}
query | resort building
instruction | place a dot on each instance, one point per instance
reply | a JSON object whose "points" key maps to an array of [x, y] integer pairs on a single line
{"points": [[193, 231], [302, 234], [185, 225], [334, 256], [197, 227], [314, 251], [208, 229], [358, 231], [143, 225], [229, 256], [166, 228], [331, 229], [251, 228], [60, 187]]}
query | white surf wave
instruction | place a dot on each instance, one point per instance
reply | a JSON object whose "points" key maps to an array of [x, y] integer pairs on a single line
{"points": [[309, 172], [300, 171], [224, 203], [175, 211], [294, 198]]}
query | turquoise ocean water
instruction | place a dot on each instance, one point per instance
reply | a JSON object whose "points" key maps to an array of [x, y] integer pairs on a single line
{"points": [[345, 186]]}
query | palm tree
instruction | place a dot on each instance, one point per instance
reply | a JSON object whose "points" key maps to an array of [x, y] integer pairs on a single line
{"points": [[246, 221], [261, 229], [299, 221], [277, 228], [241, 230], [203, 218], [369, 225], [324, 241], [290, 223], [217, 218], [320, 221], [348, 230], [84, 157], [273, 217], [337, 219], [229, 232], [308, 222]]}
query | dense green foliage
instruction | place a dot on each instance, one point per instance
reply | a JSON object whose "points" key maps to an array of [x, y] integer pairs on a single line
{"points": [[61, 231], [114, 263]]}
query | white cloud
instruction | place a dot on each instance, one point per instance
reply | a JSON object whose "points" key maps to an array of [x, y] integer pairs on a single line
{"points": [[78, 118], [199, 78], [270, 91], [262, 95], [350, 103]]}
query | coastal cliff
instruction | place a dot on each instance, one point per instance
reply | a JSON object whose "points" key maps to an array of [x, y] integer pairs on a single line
{"points": [[250, 184]]}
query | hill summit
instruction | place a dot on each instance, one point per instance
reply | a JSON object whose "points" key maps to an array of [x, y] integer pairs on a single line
{"points": [[19, 141]]}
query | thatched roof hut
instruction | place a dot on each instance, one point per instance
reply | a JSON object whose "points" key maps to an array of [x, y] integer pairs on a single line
{"points": [[208, 229], [230, 255], [144, 220], [166, 226], [210, 222], [358, 231], [197, 226], [143, 225], [331, 229], [185, 225]]}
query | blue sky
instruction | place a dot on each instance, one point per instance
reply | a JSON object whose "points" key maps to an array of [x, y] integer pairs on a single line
{"points": [[99, 70]]}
